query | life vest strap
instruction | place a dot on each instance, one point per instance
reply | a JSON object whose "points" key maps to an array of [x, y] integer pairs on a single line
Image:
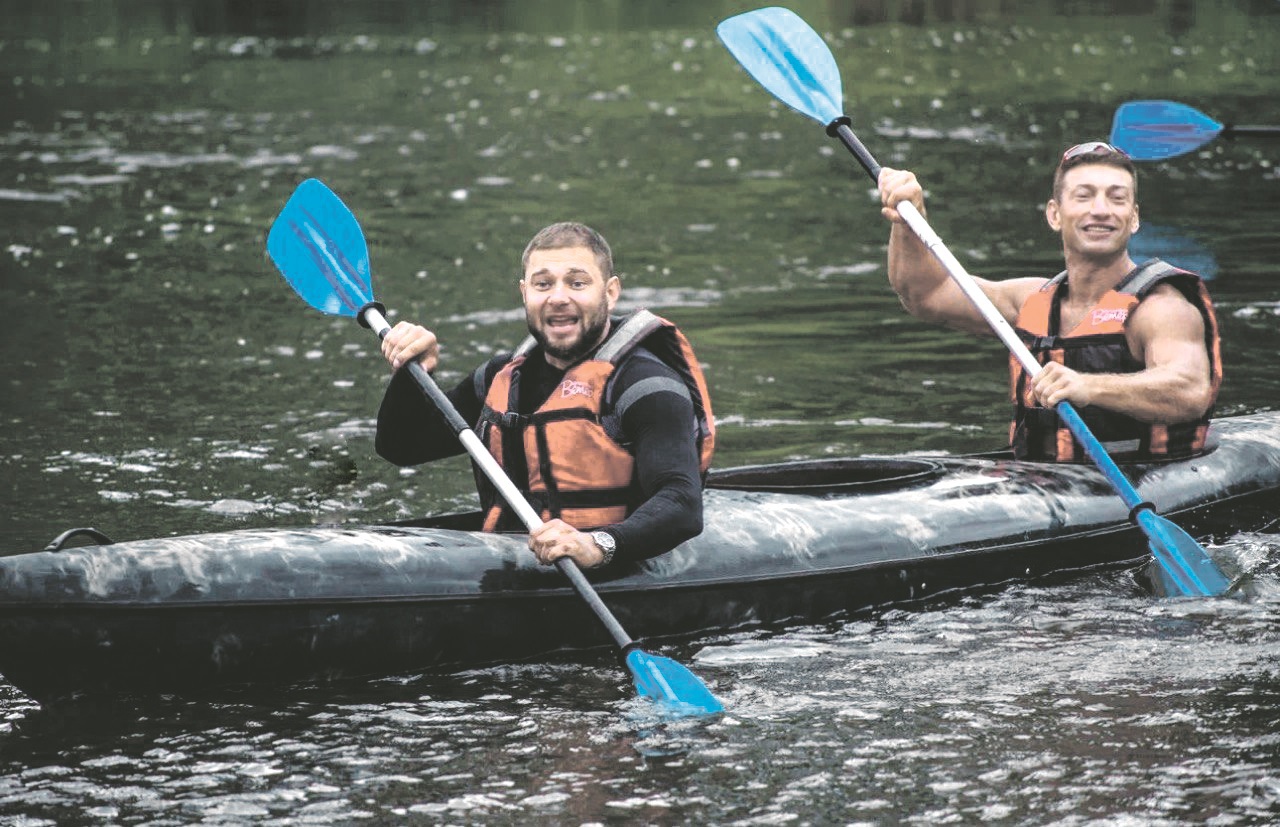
{"points": [[505, 419]]}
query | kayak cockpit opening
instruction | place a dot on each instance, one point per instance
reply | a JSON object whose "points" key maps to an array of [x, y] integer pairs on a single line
{"points": [[849, 475], [60, 542]]}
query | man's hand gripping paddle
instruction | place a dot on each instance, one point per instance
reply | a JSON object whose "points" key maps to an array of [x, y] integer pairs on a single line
{"points": [[318, 246], [790, 60]]}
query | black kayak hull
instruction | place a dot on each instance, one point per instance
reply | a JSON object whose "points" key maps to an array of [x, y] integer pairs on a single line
{"points": [[262, 606]]}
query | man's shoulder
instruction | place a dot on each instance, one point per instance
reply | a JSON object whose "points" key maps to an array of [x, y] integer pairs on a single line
{"points": [[1166, 298], [1011, 295], [644, 376], [643, 363], [483, 375], [1166, 311], [1021, 287]]}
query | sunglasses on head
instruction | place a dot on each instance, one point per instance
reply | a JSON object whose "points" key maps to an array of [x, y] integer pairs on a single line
{"points": [[1092, 148]]}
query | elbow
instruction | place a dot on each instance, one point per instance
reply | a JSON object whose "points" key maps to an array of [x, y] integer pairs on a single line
{"points": [[1201, 393], [1201, 403], [1193, 403], [692, 522], [920, 306], [696, 526]]}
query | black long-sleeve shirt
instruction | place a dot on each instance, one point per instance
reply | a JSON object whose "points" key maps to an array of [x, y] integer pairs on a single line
{"points": [[659, 429]]}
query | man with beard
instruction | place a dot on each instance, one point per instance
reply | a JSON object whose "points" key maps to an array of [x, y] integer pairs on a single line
{"points": [[603, 421], [1134, 348]]}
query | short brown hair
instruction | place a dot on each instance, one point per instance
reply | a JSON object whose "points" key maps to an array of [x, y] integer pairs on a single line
{"points": [[571, 234], [1093, 152]]}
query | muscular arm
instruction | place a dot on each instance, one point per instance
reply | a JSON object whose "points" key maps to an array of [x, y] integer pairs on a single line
{"points": [[1167, 334], [923, 285]]}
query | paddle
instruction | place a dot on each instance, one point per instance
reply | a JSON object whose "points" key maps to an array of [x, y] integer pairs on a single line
{"points": [[790, 60], [1155, 130], [317, 245]]}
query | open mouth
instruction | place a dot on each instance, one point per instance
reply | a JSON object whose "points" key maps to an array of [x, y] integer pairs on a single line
{"points": [[561, 324]]}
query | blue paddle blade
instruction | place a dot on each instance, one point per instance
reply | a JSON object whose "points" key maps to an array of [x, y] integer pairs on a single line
{"points": [[1187, 567], [788, 58], [1191, 570], [1155, 130], [317, 245], [673, 686]]}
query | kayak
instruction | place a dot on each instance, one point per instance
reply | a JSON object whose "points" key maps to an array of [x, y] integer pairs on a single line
{"points": [[783, 544]]}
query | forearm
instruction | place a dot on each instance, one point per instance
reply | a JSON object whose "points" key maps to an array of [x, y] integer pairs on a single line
{"points": [[1155, 395], [661, 429], [672, 515], [410, 430], [914, 273]]}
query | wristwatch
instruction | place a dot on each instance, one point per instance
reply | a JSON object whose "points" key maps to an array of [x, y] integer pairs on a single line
{"points": [[607, 544]]}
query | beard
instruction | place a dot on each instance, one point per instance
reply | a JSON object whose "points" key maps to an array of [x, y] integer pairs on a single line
{"points": [[594, 324]]}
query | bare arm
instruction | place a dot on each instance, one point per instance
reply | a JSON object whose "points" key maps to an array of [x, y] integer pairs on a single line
{"points": [[923, 285], [1166, 333]]}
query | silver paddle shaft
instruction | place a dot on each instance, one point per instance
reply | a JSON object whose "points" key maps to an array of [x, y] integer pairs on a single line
{"points": [[475, 448], [999, 324], [498, 476]]}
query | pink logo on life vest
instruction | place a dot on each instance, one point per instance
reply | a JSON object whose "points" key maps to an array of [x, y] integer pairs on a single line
{"points": [[571, 387], [1112, 315]]}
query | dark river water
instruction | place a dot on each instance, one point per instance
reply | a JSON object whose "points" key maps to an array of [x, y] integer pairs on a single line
{"points": [[159, 378]]}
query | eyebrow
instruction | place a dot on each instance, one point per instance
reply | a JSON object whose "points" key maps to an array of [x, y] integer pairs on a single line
{"points": [[1111, 188], [575, 271]]}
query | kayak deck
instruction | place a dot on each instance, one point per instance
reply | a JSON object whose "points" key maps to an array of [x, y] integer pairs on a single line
{"points": [[798, 542]]}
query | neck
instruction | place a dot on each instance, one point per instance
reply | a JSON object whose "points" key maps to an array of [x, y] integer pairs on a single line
{"points": [[1089, 278]]}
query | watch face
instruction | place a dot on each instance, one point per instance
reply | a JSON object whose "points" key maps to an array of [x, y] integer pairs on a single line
{"points": [[604, 540]]}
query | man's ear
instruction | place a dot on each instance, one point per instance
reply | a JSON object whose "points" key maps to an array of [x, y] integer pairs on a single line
{"points": [[612, 290], [1051, 214]]}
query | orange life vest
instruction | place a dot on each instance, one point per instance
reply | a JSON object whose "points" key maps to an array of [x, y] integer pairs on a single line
{"points": [[574, 465], [1098, 345]]}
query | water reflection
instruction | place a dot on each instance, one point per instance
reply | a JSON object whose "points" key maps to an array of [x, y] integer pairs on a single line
{"points": [[149, 19], [1083, 696], [142, 224], [159, 379]]}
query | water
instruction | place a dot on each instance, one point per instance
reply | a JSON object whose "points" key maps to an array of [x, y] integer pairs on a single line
{"points": [[159, 378]]}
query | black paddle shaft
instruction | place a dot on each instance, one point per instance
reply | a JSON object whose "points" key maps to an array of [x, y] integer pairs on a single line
{"points": [[840, 128], [428, 385], [459, 425], [1232, 130]]}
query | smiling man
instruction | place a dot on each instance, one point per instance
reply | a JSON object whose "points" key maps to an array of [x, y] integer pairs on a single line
{"points": [[1133, 347], [603, 421]]}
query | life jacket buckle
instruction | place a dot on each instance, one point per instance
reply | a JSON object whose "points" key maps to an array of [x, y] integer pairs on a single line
{"points": [[511, 419]]}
